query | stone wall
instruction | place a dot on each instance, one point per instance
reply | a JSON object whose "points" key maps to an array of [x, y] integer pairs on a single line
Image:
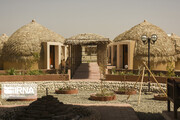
{"points": [[91, 85]]}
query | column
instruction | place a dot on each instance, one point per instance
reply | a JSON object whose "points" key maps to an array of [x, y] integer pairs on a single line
{"points": [[48, 56], [118, 56]]}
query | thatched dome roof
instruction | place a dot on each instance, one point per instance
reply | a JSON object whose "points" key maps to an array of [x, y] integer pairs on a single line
{"points": [[119, 37], [86, 39], [176, 39], [3, 39], [27, 40], [162, 51]]}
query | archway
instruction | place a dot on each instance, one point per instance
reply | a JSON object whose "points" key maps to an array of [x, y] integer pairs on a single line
{"points": [[75, 47]]}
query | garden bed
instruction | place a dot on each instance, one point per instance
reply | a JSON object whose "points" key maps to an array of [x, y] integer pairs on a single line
{"points": [[133, 78], [47, 77], [102, 98], [73, 91]]}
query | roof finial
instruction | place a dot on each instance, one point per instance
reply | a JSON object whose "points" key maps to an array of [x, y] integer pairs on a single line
{"points": [[145, 20], [33, 20]]}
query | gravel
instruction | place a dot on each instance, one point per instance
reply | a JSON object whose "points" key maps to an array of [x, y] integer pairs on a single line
{"points": [[148, 108]]}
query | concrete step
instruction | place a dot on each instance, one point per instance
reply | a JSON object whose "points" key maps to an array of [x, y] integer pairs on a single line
{"points": [[87, 71]]}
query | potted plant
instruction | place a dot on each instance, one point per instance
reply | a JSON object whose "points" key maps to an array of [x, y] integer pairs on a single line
{"points": [[125, 91], [160, 96], [66, 89], [103, 95], [120, 90], [131, 91]]}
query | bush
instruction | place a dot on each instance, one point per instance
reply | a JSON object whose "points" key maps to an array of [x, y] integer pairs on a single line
{"points": [[11, 71], [35, 72], [170, 69], [121, 73]]}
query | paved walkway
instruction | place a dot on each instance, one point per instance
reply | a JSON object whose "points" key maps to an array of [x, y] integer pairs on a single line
{"points": [[88, 71], [114, 111]]}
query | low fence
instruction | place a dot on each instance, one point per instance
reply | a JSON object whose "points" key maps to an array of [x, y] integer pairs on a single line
{"points": [[45, 71], [134, 78], [48, 77], [136, 71]]}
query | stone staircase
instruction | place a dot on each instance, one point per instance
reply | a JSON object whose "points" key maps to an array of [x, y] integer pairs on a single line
{"points": [[87, 71]]}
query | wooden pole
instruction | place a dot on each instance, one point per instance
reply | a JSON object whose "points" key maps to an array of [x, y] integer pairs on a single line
{"points": [[136, 83], [154, 79], [141, 86]]}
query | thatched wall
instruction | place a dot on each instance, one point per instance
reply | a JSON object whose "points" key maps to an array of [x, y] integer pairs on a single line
{"points": [[20, 65], [3, 39], [26, 41], [102, 56], [75, 58], [176, 39], [162, 51]]}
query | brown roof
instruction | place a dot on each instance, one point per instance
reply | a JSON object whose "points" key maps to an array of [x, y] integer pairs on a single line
{"points": [[87, 38], [3, 39]]}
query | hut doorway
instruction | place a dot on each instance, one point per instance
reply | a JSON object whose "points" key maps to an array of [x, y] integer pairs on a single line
{"points": [[109, 54], [54, 53], [125, 55], [52, 57], [89, 53], [114, 55]]}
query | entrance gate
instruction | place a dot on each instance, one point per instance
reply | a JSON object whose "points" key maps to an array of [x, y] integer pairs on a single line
{"points": [[89, 53]]}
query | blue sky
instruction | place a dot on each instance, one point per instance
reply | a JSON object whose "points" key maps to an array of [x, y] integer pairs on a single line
{"points": [[105, 17]]}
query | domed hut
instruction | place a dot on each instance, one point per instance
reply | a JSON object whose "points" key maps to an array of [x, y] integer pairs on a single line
{"points": [[33, 46], [3, 39], [86, 39], [176, 39], [128, 48]]}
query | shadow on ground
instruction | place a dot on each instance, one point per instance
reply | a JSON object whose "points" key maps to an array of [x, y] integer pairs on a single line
{"points": [[149, 116]]}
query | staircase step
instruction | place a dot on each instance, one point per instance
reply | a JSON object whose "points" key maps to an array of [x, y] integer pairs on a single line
{"points": [[87, 71]]}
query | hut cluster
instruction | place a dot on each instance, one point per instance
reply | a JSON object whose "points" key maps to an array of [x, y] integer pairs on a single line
{"points": [[33, 46]]}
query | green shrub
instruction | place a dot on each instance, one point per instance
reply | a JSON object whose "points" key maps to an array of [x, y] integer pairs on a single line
{"points": [[170, 69], [104, 94], [11, 71], [113, 70], [67, 88], [121, 73], [130, 73], [162, 74], [35, 72]]}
